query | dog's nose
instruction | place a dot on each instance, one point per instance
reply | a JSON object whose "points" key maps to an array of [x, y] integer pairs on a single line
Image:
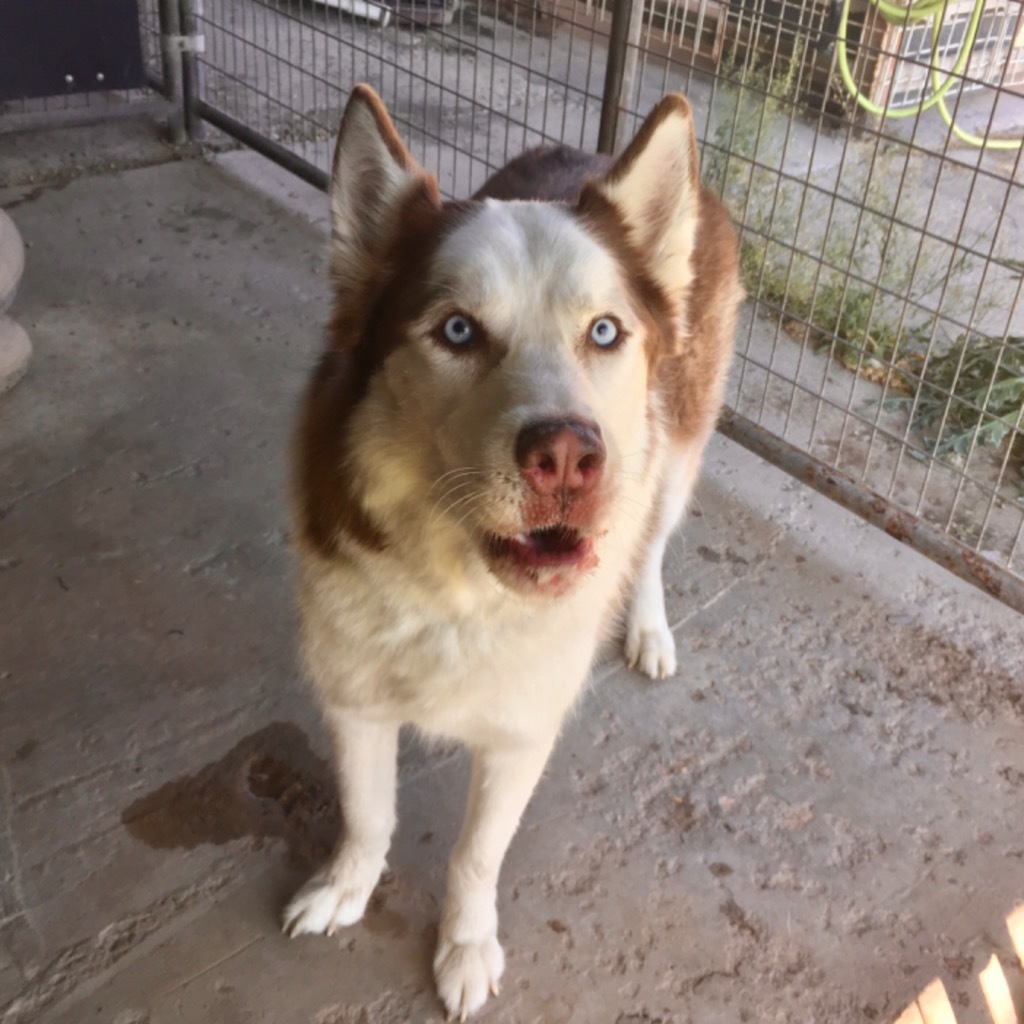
{"points": [[561, 456]]}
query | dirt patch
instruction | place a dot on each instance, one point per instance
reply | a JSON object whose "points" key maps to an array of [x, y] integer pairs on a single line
{"points": [[83, 961], [270, 785], [389, 1009], [946, 673]]}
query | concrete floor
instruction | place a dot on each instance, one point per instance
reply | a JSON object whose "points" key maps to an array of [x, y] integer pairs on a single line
{"points": [[818, 818]]}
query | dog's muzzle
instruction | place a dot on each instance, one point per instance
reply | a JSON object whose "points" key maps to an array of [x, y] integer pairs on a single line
{"points": [[561, 462]]}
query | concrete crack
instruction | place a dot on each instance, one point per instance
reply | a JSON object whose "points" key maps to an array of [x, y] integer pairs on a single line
{"points": [[21, 907], [727, 588], [217, 963], [45, 489]]}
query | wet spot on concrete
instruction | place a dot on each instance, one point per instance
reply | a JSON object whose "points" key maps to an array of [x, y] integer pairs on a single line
{"points": [[27, 749], [268, 786]]}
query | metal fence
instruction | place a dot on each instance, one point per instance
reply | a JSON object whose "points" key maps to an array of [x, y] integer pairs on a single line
{"points": [[881, 355]]}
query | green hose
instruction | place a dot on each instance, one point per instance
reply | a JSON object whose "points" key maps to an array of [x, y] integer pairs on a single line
{"points": [[914, 11]]}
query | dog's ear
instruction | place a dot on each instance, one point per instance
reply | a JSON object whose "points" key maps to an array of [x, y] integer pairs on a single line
{"points": [[655, 186], [372, 175]]}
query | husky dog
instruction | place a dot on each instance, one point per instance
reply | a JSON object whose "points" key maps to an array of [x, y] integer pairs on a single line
{"points": [[493, 451]]}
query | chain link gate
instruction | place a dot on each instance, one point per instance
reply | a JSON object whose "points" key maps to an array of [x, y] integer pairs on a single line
{"points": [[881, 354]]}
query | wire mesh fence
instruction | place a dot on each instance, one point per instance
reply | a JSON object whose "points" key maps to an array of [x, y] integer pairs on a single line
{"points": [[885, 336], [883, 254], [885, 333], [881, 354], [465, 94]]}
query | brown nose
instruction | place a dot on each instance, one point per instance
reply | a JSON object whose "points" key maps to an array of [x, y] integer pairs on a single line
{"points": [[561, 456]]}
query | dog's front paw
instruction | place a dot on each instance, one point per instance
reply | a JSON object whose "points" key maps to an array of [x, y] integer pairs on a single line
{"points": [[334, 897], [651, 647], [466, 973]]}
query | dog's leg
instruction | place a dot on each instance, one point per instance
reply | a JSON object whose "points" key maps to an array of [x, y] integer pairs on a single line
{"points": [[469, 959], [650, 645], [337, 895]]}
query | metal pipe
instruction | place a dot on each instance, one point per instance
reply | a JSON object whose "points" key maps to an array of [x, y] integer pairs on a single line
{"points": [[261, 144], [618, 41], [630, 65], [170, 61], [192, 84], [924, 537]]}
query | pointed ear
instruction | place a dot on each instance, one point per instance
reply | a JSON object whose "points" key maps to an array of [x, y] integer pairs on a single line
{"points": [[373, 173], [655, 186]]}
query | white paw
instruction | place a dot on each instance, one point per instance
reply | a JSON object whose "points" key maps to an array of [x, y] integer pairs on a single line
{"points": [[651, 647], [334, 897], [466, 973]]}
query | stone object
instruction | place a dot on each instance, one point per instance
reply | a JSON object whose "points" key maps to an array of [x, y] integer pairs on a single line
{"points": [[15, 352], [15, 348], [12, 261]]}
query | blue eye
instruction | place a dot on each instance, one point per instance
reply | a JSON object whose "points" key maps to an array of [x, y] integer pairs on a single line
{"points": [[458, 330], [604, 332]]}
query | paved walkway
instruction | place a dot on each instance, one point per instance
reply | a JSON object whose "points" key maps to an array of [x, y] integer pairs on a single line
{"points": [[820, 816]]}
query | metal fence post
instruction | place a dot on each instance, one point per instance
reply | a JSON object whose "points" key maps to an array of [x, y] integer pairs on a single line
{"points": [[191, 11], [170, 61], [618, 38], [620, 72]]}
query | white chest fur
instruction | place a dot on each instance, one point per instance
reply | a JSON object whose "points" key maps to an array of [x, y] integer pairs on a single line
{"points": [[449, 650]]}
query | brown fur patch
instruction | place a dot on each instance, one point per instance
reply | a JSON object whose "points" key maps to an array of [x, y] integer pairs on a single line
{"points": [[599, 216], [670, 105], [363, 331], [325, 499], [546, 173], [692, 380], [396, 147]]}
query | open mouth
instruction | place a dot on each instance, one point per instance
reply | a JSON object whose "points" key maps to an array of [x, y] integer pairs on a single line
{"points": [[550, 547]]}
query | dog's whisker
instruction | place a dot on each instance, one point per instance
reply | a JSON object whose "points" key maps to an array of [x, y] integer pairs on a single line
{"points": [[449, 494], [646, 509], [459, 471], [467, 500], [455, 477], [453, 484], [454, 491], [458, 502], [463, 518]]}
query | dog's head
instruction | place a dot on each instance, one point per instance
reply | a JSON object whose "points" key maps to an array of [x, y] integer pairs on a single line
{"points": [[486, 390]]}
